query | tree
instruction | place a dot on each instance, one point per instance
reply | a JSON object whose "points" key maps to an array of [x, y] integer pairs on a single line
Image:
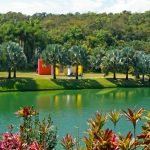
{"points": [[1, 56], [52, 55], [105, 38], [78, 56], [148, 66], [111, 62], [140, 63], [16, 56], [4, 60], [95, 57], [127, 54]]}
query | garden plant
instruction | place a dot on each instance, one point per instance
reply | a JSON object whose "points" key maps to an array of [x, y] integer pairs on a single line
{"points": [[42, 135]]}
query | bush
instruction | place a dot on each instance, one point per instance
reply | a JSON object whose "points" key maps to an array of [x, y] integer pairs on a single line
{"points": [[42, 135], [33, 135], [98, 138]]}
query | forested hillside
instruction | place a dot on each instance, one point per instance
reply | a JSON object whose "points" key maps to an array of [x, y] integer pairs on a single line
{"points": [[89, 30]]}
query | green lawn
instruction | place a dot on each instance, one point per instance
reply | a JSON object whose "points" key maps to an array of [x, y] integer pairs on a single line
{"points": [[30, 81]]}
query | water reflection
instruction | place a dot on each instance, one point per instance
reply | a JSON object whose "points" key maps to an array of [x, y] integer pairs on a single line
{"points": [[58, 100]]}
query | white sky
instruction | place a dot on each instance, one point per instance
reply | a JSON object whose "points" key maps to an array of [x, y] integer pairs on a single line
{"points": [[30, 7]]}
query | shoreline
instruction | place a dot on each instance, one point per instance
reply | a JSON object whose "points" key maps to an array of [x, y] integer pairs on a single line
{"points": [[33, 85]]}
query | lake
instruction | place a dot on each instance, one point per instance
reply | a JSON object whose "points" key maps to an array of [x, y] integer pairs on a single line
{"points": [[71, 109]]}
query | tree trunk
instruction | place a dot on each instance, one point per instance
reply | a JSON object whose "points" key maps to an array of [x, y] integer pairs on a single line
{"points": [[14, 71], [127, 75], [77, 72], [9, 72], [137, 76], [54, 71], [143, 75], [114, 75]]}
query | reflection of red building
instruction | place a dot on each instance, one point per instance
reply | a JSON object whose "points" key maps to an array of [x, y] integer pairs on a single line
{"points": [[43, 69]]}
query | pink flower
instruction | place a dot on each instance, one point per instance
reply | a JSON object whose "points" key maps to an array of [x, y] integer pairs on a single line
{"points": [[1, 146], [114, 138], [33, 146], [10, 141]]}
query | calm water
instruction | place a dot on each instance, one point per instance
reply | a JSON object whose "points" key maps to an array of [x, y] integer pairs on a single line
{"points": [[70, 110]]}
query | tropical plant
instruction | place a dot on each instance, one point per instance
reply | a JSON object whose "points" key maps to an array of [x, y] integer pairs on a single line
{"points": [[96, 134], [147, 63], [4, 60], [144, 137], [78, 56], [68, 142], [10, 141], [52, 55], [111, 62], [114, 117], [140, 63], [102, 140], [127, 142], [16, 56], [36, 133], [127, 54], [95, 57], [133, 117]]}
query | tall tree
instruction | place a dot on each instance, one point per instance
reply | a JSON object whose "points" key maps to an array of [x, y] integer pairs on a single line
{"points": [[96, 57], [78, 56], [4, 60], [16, 56], [111, 62], [52, 55], [127, 54], [148, 66]]}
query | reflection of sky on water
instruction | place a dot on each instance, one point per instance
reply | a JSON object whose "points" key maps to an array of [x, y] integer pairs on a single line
{"points": [[70, 110]]}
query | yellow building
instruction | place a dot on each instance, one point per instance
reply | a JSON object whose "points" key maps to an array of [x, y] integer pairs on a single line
{"points": [[72, 70]]}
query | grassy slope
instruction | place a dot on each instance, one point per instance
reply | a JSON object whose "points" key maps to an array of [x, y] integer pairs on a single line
{"points": [[31, 81]]}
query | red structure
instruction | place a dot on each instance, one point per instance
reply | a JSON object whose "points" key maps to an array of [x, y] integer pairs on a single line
{"points": [[43, 69]]}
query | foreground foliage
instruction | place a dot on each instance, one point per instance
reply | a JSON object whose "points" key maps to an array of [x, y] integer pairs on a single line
{"points": [[42, 135], [98, 138], [33, 135]]}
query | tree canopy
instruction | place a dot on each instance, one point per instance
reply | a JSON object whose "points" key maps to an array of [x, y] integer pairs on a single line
{"points": [[91, 31]]}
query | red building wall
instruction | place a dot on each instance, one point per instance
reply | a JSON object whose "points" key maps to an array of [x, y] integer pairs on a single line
{"points": [[43, 69]]}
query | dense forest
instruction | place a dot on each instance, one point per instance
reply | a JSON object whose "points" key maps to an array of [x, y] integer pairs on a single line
{"points": [[89, 30]]}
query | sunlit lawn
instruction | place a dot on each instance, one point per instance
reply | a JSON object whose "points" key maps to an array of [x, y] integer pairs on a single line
{"points": [[62, 76], [31, 81]]}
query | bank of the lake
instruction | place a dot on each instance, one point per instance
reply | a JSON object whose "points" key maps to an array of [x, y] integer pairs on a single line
{"points": [[37, 84]]}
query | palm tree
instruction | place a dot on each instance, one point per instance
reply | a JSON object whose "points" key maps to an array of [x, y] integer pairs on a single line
{"points": [[53, 55], [136, 62], [141, 63], [127, 54], [78, 56], [148, 66], [96, 57], [111, 62], [16, 57]]}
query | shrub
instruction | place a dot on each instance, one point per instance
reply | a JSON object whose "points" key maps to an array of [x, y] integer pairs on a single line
{"points": [[33, 135]]}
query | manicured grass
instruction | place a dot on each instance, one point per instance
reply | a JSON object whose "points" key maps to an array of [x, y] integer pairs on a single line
{"points": [[34, 82]]}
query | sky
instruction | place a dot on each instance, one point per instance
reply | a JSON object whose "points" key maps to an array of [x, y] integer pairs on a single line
{"points": [[29, 7]]}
